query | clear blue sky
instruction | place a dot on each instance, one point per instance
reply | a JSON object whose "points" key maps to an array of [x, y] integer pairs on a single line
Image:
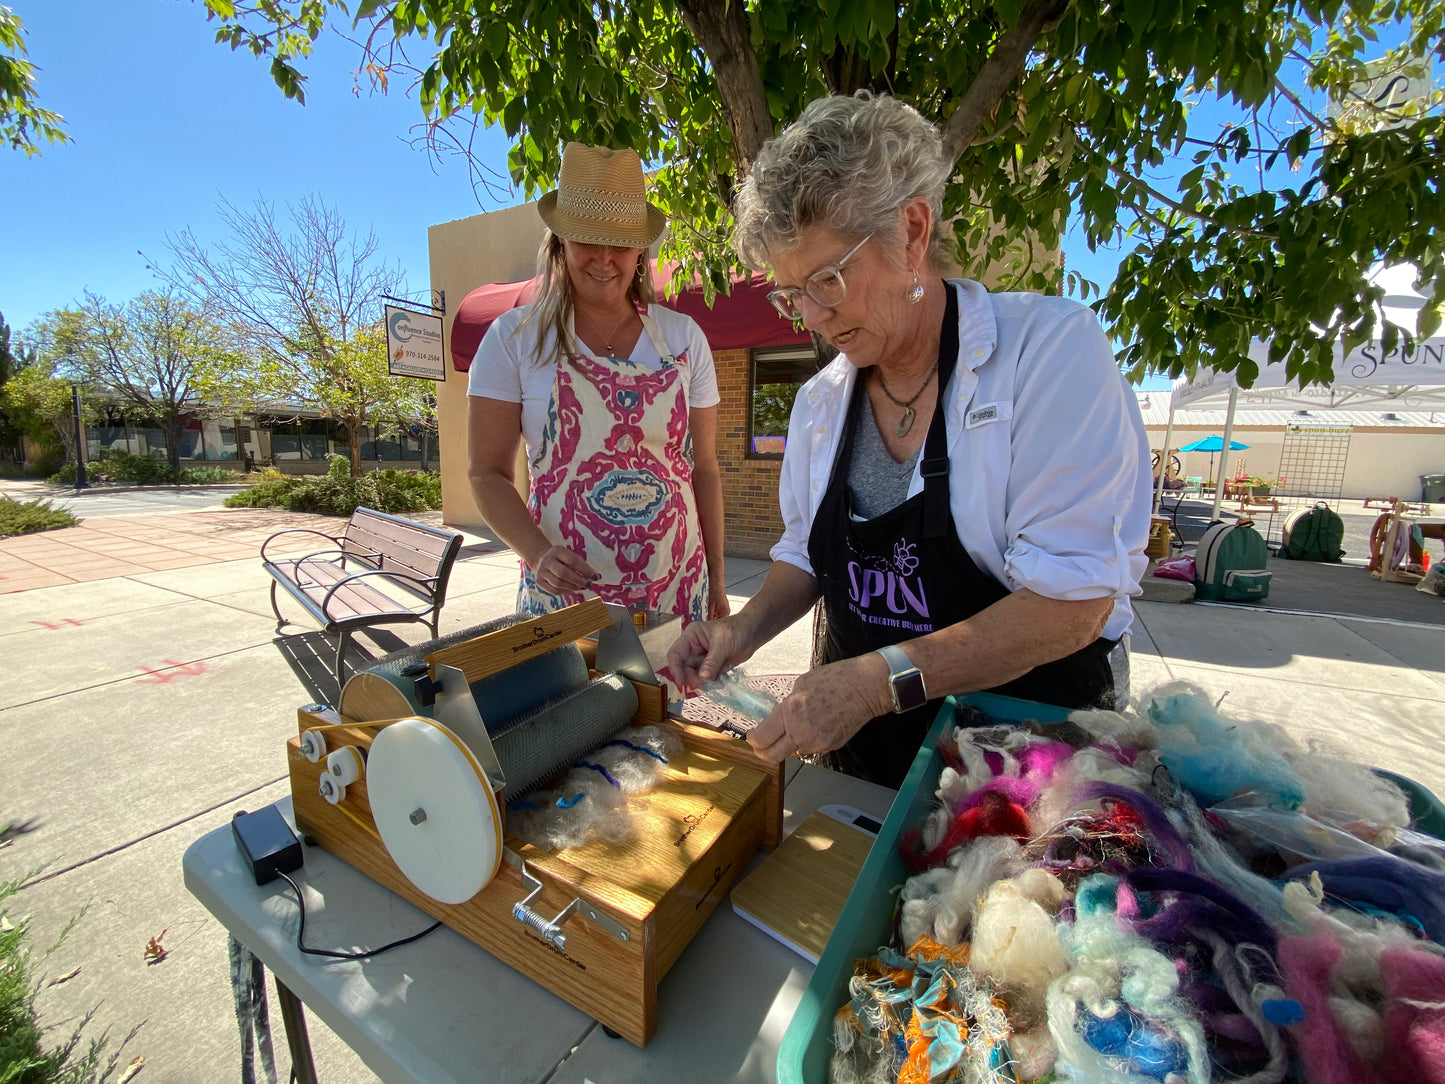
{"points": [[164, 122]]}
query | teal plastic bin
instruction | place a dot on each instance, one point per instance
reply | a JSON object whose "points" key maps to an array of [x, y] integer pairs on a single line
{"points": [[807, 1046]]}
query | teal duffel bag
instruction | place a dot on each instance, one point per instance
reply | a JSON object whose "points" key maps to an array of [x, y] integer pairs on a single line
{"points": [[1229, 565]]}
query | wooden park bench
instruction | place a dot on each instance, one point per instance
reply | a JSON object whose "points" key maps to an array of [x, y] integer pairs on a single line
{"points": [[373, 573]]}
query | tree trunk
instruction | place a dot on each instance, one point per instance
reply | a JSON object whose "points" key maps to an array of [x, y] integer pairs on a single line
{"points": [[353, 447], [721, 28], [171, 426], [998, 73]]}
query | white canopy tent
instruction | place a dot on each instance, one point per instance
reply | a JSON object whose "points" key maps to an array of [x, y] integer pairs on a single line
{"points": [[1412, 378]]}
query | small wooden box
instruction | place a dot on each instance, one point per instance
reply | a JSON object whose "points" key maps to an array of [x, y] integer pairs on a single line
{"points": [[697, 829]]}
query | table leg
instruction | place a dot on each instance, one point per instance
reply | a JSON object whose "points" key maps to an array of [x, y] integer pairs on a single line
{"points": [[293, 1015]]}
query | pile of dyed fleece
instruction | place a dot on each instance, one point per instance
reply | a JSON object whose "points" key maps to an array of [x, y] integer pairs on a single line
{"points": [[1158, 897]]}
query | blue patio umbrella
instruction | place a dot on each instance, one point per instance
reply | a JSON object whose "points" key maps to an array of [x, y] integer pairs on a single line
{"points": [[1211, 444]]}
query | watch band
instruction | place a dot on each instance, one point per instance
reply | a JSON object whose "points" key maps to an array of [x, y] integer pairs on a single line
{"points": [[905, 681]]}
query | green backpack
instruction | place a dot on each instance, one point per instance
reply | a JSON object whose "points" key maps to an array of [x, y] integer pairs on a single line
{"points": [[1229, 565], [1313, 534]]}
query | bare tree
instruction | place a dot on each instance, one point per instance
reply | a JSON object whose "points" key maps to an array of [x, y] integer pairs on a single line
{"points": [[304, 297]]}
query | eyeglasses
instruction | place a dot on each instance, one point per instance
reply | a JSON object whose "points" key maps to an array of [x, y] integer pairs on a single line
{"points": [[825, 286]]}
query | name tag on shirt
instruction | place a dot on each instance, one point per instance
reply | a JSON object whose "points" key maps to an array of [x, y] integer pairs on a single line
{"points": [[989, 412]]}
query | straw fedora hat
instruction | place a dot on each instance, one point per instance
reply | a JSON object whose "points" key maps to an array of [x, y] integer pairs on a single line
{"points": [[601, 200]]}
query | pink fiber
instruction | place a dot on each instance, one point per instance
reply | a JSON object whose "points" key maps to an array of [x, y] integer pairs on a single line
{"points": [[1127, 907], [1328, 1056], [1414, 1035], [1040, 762]]}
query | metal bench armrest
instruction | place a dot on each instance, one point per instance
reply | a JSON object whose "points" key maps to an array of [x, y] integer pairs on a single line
{"points": [[426, 586]]}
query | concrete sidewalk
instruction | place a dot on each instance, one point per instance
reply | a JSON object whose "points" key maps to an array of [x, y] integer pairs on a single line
{"points": [[148, 698]]}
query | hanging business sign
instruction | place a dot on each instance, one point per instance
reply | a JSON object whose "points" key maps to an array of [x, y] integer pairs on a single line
{"points": [[414, 344]]}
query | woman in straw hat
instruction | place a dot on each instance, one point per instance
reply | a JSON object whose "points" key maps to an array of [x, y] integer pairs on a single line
{"points": [[966, 487], [616, 400]]}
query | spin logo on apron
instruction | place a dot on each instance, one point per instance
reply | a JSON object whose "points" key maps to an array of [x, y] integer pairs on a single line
{"points": [[885, 590]]}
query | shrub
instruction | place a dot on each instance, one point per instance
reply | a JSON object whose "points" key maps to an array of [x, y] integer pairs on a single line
{"points": [[23, 1060], [201, 475], [338, 494], [140, 470], [117, 465], [18, 517]]}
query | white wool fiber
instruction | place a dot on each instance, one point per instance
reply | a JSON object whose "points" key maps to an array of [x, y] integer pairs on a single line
{"points": [[941, 902], [935, 825], [1351, 796], [1016, 948], [1119, 730], [602, 810], [1362, 1025], [1034, 1053], [1043, 888], [921, 895]]}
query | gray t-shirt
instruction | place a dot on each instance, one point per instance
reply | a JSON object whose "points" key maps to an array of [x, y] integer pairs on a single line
{"points": [[877, 483]]}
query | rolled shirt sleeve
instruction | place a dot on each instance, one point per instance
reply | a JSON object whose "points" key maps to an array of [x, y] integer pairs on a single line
{"points": [[1077, 507]]}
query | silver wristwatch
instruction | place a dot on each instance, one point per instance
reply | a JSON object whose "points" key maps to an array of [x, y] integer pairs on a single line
{"points": [[905, 681]]}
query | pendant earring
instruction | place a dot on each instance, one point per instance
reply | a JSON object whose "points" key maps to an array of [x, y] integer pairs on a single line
{"points": [[915, 295]]}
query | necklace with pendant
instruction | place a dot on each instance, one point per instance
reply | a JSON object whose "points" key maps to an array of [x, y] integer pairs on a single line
{"points": [[905, 423], [607, 339]]}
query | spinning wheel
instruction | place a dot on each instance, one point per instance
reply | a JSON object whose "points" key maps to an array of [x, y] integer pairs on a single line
{"points": [[1175, 466]]}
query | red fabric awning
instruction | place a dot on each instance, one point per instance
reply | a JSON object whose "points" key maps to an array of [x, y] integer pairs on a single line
{"points": [[738, 321]]}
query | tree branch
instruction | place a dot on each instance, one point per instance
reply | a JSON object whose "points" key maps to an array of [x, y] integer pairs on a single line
{"points": [[722, 30], [998, 72]]}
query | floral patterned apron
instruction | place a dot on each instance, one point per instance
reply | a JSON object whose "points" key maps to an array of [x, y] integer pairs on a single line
{"points": [[611, 479]]}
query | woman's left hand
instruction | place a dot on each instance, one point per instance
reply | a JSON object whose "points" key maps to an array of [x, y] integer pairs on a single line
{"points": [[717, 600], [826, 707]]}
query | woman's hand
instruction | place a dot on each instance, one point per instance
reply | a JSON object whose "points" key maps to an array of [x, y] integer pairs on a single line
{"points": [[561, 571], [717, 600], [826, 707], [705, 649]]}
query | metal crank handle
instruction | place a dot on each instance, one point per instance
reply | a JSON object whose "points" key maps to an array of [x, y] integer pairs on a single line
{"points": [[550, 930]]}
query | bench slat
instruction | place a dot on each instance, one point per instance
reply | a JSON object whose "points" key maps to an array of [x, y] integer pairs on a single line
{"points": [[313, 578]]}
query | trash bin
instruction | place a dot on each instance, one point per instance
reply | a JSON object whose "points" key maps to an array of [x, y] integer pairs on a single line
{"points": [[1432, 488]]}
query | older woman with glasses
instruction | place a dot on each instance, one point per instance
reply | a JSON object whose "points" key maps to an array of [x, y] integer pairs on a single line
{"points": [[966, 487]]}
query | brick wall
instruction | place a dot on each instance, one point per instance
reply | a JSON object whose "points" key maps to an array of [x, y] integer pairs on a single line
{"points": [[750, 486]]}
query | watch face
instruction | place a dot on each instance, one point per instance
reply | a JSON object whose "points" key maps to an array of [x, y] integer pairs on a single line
{"points": [[908, 691]]}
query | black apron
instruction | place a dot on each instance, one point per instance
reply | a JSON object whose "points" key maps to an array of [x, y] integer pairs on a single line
{"points": [[904, 574]]}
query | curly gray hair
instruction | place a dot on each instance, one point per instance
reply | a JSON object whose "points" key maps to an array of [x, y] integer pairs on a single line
{"points": [[848, 164]]}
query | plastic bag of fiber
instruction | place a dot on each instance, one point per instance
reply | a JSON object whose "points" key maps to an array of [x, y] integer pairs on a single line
{"points": [[1080, 913]]}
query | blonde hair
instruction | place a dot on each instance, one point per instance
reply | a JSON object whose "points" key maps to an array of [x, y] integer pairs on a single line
{"points": [[551, 307]]}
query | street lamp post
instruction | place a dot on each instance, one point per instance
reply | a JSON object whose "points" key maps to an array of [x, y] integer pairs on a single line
{"points": [[80, 480]]}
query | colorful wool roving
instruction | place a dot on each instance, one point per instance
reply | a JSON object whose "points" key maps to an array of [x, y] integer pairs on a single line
{"points": [[1172, 897]]}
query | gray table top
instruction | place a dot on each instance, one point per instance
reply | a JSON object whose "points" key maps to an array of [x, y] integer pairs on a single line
{"points": [[444, 1011]]}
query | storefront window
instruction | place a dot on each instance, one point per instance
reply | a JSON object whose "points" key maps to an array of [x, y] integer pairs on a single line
{"points": [[777, 374]]}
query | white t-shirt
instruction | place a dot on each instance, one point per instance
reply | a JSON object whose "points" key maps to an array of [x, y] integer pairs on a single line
{"points": [[1049, 465], [505, 366]]}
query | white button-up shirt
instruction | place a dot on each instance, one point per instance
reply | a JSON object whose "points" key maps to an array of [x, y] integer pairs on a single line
{"points": [[1049, 467]]}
